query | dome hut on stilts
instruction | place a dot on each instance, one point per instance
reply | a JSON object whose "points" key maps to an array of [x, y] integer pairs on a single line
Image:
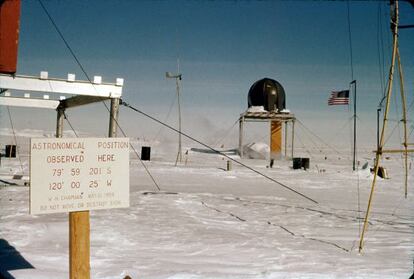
{"points": [[267, 103]]}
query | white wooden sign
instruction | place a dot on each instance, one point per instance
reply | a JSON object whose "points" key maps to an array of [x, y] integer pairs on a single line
{"points": [[77, 174]]}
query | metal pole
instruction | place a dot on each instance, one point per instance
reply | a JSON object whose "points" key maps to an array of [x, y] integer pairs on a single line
{"points": [[293, 136], [355, 135], [378, 123], [179, 155], [177, 77], [241, 124]]}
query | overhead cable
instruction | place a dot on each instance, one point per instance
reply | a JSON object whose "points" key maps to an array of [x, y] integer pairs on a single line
{"points": [[218, 152], [70, 124], [90, 81]]}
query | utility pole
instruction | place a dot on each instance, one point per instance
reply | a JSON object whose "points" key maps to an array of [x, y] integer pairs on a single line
{"points": [[178, 78]]}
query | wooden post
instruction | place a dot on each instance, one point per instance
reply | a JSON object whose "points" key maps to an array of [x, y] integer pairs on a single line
{"points": [[79, 230], [404, 120], [113, 118], [275, 139], [79, 245], [59, 122], [394, 151]]}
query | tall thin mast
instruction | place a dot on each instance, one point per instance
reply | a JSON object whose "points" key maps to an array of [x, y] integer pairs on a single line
{"points": [[178, 78], [394, 26]]}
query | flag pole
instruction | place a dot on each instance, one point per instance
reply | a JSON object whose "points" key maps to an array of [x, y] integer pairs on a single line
{"points": [[355, 135]]}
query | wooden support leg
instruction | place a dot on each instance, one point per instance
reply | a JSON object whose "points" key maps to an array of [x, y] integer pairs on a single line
{"points": [[286, 138], [275, 139]]}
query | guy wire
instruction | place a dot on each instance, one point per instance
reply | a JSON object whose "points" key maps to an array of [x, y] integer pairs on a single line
{"points": [[218, 152]]}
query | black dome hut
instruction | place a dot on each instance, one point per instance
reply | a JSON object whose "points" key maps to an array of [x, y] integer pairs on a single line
{"points": [[267, 93]]}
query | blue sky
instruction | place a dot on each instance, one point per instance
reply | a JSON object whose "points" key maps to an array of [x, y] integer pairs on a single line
{"points": [[223, 47]]}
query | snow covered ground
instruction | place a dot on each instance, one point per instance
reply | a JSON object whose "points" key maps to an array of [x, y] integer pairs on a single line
{"points": [[211, 223]]}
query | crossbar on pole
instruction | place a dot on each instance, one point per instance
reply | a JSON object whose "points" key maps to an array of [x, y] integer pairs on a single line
{"points": [[394, 151]]}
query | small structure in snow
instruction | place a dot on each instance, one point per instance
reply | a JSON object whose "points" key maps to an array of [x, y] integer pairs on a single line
{"points": [[267, 103]]}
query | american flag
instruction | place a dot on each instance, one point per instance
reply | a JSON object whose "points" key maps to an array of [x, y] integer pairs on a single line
{"points": [[339, 98]]}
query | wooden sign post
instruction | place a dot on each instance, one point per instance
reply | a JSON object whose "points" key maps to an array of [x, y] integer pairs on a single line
{"points": [[73, 175], [79, 178], [79, 226], [79, 245], [79, 229]]}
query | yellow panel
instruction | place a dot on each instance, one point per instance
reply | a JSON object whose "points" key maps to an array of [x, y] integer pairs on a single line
{"points": [[275, 139]]}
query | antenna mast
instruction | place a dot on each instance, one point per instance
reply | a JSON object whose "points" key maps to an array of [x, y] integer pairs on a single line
{"points": [[395, 55], [178, 78]]}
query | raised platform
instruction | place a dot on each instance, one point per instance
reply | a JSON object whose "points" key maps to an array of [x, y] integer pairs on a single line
{"points": [[268, 115], [276, 120]]}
